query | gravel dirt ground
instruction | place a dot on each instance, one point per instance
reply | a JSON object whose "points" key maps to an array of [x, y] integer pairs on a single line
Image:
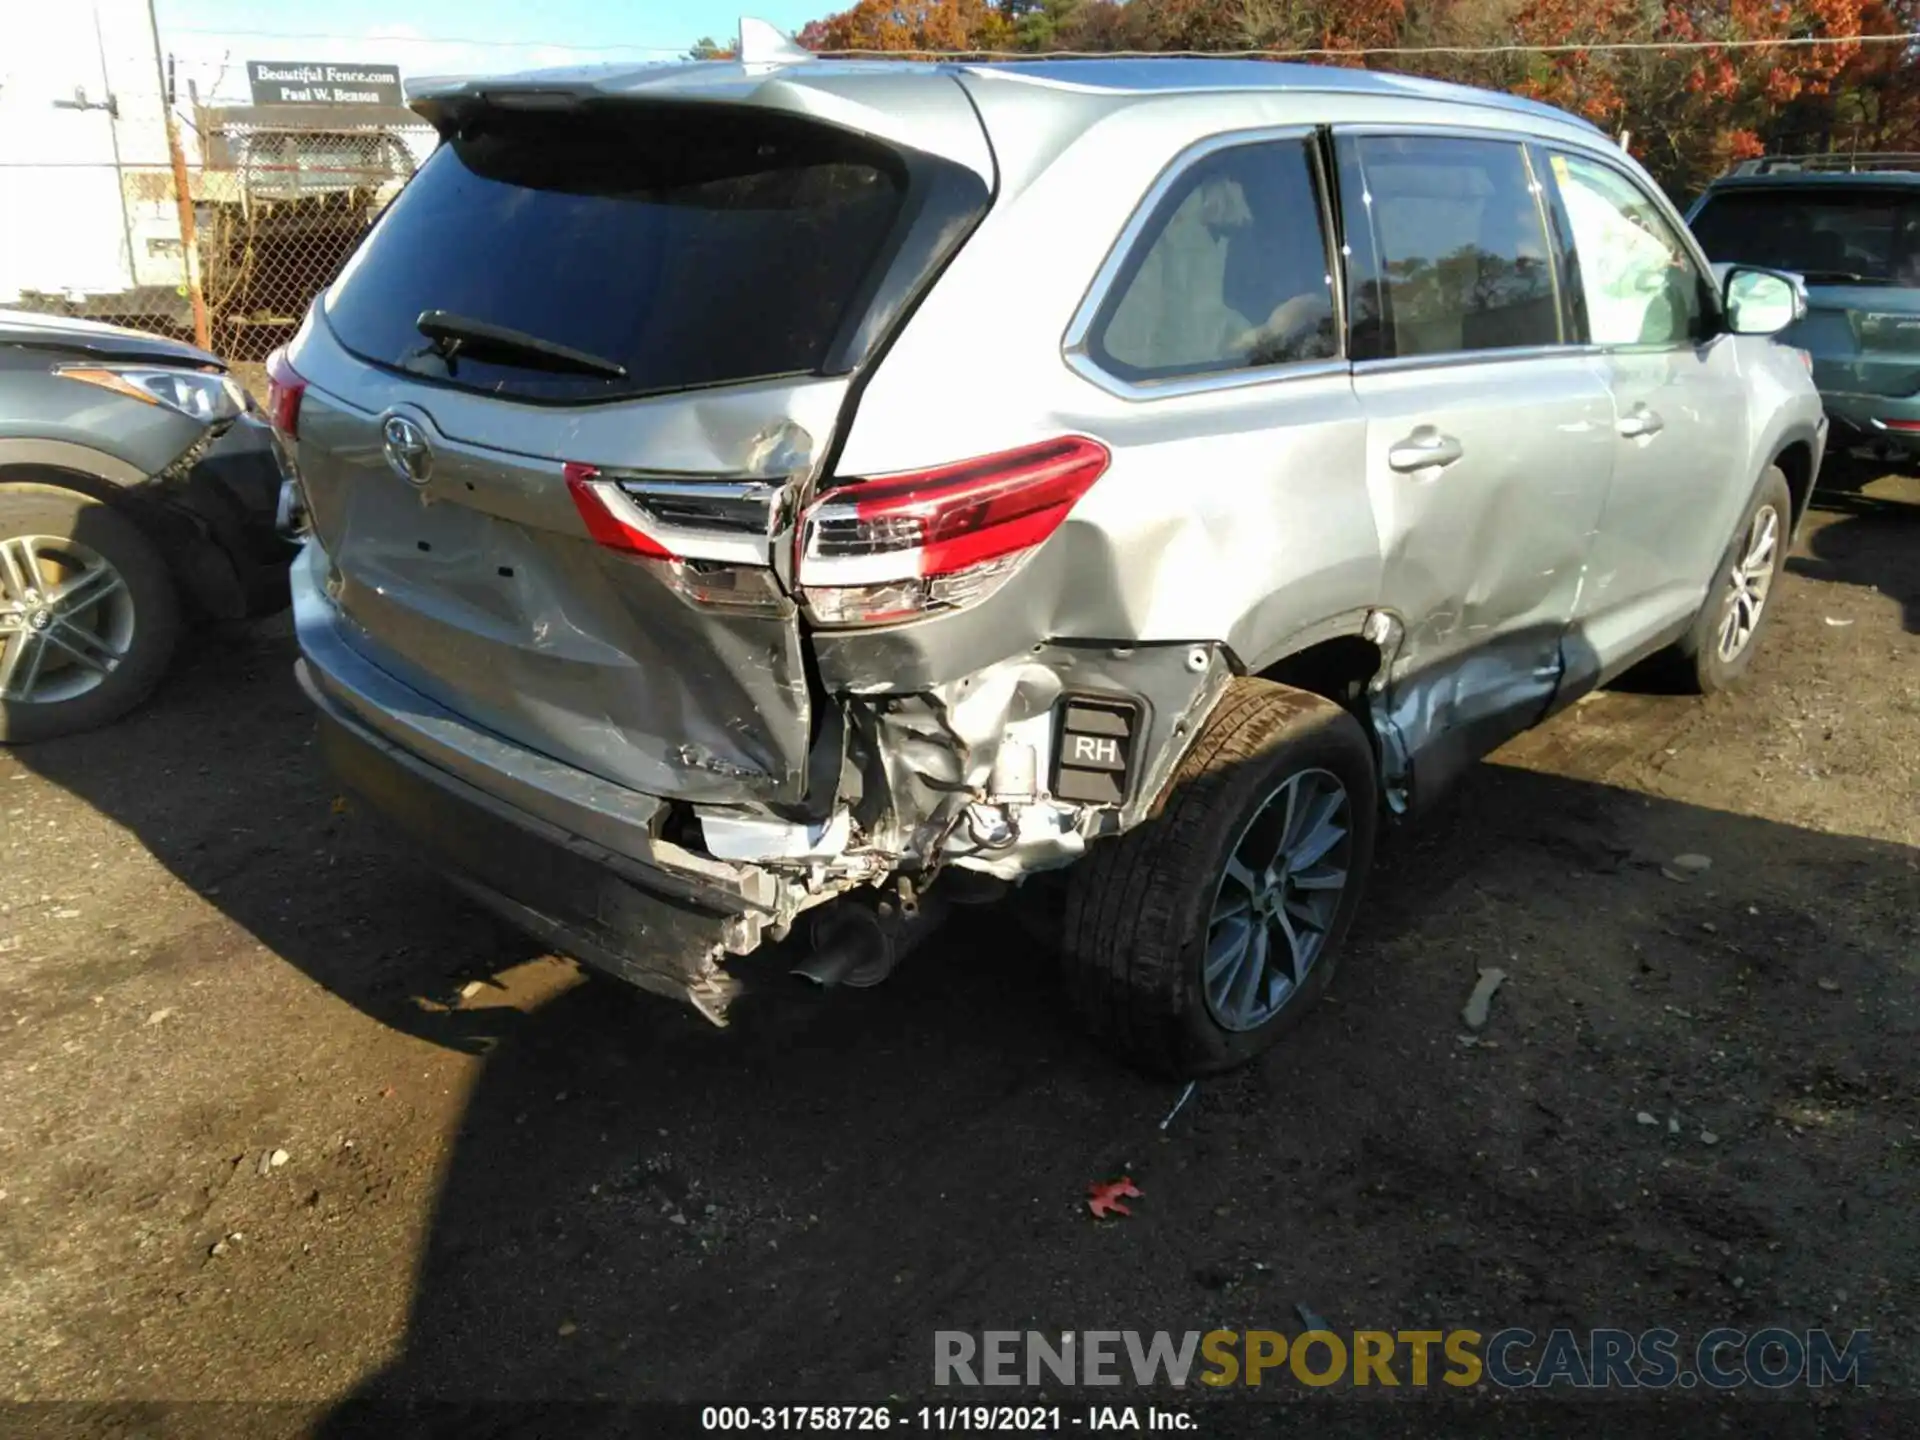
{"points": [[283, 1119]]}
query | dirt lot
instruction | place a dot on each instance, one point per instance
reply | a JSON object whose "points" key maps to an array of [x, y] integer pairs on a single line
{"points": [[260, 1141]]}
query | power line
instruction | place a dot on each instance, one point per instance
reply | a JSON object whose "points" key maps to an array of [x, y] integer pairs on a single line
{"points": [[1330, 52], [1599, 47]]}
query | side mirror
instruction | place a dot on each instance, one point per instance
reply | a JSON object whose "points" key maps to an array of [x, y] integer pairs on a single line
{"points": [[1761, 302]]}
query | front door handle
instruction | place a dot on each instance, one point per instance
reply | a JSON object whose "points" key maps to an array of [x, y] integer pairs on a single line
{"points": [[1639, 422], [1425, 449]]}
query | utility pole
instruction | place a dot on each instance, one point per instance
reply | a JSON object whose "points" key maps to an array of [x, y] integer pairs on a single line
{"points": [[113, 138], [182, 194]]}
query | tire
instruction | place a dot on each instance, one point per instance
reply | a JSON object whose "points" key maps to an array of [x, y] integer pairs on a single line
{"points": [[1699, 662], [135, 621], [1140, 911]]}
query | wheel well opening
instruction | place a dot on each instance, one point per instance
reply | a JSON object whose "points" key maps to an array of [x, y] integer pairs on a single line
{"points": [[198, 567], [1796, 463], [78, 481], [1337, 669]]}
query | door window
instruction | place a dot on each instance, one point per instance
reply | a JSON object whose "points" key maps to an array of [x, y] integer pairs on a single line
{"points": [[1230, 273], [1449, 247], [1635, 279]]}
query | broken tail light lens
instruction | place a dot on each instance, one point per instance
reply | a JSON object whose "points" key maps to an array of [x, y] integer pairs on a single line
{"points": [[285, 388], [898, 546], [609, 518], [616, 522]]}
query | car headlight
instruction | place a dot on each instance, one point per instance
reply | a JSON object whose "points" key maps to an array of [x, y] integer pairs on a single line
{"points": [[204, 395]]}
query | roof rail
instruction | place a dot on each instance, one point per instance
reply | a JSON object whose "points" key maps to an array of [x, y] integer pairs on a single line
{"points": [[1830, 163]]}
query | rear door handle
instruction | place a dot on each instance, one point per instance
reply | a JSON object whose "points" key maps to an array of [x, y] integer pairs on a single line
{"points": [[1425, 449], [1638, 422]]}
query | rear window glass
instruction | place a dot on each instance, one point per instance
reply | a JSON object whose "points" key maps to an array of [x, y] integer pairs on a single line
{"points": [[686, 249], [1863, 236]]}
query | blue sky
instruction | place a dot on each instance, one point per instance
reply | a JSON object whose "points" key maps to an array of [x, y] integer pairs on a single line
{"points": [[215, 37]]}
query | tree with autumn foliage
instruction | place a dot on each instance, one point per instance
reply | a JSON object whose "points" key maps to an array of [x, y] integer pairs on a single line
{"points": [[1101, 25], [1702, 96], [1697, 98], [909, 25]]}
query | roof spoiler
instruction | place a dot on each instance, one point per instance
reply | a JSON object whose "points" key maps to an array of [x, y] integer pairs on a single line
{"points": [[760, 46]]}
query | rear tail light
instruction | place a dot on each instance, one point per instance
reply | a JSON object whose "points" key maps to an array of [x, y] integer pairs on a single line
{"points": [[615, 521], [608, 516], [1908, 427], [284, 391], [890, 548]]}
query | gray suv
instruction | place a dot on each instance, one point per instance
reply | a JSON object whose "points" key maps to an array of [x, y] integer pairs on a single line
{"points": [[790, 494], [139, 487]]}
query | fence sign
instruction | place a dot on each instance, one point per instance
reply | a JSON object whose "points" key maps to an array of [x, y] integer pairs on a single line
{"points": [[289, 82]]}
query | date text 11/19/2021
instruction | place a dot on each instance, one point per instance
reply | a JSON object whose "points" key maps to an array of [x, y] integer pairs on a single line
{"points": [[943, 1419]]}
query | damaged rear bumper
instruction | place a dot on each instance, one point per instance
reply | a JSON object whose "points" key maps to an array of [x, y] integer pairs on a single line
{"points": [[565, 856], [1006, 771], [585, 901]]}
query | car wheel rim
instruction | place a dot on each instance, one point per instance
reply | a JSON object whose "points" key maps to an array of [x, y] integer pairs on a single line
{"points": [[1277, 899], [66, 619], [1748, 582]]}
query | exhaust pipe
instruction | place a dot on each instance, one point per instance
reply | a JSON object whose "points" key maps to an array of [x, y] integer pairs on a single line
{"points": [[857, 942]]}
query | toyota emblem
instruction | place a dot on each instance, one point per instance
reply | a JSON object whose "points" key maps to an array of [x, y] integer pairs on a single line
{"points": [[408, 453]]}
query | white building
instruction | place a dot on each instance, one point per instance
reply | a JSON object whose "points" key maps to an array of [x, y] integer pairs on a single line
{"points": [[85, 181]]}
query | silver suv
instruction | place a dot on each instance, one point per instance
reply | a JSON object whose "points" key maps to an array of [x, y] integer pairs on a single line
{"points": [[748, 492]]}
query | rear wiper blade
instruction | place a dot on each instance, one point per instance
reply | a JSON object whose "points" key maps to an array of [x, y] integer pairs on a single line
{"points": [[1840, 277], [457, 335]]}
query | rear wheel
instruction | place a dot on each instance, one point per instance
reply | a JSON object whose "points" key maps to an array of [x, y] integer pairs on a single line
{"points": [[88, 617], [1717, 653], [1202, 936]]}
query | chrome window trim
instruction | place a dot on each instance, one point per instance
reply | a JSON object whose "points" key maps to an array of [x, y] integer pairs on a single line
{"points": [[1074, 343], [1084, 366], [1366, 128], [1452, 359]]}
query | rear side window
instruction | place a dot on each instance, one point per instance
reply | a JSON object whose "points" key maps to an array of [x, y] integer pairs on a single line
{"points": [[1449, 247], [1830, 236], [688, 249], [1229, 273]]}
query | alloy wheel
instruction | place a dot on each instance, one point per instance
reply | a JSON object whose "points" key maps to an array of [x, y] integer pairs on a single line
{"points": [[1277, 899], [66, 619], [1748, 583]]}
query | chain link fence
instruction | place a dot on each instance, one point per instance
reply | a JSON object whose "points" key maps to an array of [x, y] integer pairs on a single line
{"points": [[277, 197]]}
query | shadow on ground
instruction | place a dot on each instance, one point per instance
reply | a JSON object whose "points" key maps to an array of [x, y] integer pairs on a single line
{"points": [[1877, 544]]}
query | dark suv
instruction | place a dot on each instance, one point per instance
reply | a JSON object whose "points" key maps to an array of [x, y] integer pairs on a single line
{"points": [[1851, 226]]}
